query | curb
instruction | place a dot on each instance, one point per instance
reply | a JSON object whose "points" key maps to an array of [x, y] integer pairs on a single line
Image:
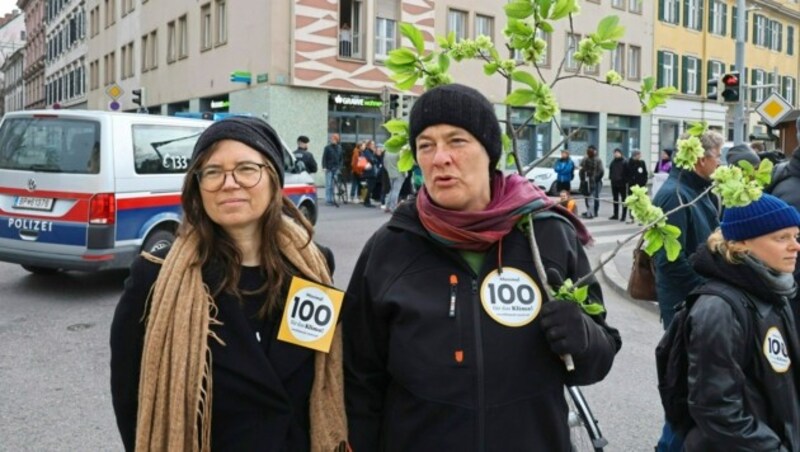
{"points": [[617, 282]]}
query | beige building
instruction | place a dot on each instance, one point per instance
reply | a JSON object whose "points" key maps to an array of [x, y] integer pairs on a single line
{"points": [[315, 67]]}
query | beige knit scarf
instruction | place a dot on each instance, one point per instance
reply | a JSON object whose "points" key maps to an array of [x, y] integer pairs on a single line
{"points": [[175, 387]]}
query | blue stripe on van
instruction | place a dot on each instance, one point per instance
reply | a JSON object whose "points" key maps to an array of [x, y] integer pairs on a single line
{"points": [[131, 222], [56, 232]]}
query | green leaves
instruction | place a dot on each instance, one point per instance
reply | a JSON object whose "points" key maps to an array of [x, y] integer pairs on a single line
{"points": [[564, 8], [698, 129], [738, 186], [569, 293], [406, 161], [609, 30], [414, 35], [689, 152], [519, 9], [652, 99]]}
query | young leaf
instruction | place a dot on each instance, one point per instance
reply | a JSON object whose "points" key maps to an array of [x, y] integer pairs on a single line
{"points": [[606, 27], [673, 248], [506, 143], [402, 56], [519, 9], [593, 308], [648, 84], [396, 126], [408, 82], [490, 68], [406, 160], [526, 78], [414, 35], [582, 293], [520, 97], [396, 142], [545, 27], [544, 8], [510, 160], [444, 62]]}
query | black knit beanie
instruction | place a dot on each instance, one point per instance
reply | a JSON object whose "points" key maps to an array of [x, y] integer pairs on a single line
{"points": [[460, 106], [253, 132]]}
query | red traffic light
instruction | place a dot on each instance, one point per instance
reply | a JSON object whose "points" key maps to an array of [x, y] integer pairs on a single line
{"points": [[730, 80]]}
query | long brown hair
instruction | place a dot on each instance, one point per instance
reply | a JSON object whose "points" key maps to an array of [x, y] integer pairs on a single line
{"points": [[220, 249]]}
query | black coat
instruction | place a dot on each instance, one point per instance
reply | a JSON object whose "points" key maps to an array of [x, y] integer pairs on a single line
{"points": [[406, 388], [308, 160], [261, 389], [616, 171], [740, 396], [332, 157], [636, 173]]}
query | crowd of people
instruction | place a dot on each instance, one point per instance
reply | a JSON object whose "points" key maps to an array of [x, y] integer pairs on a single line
{"points": [[447, 336]]}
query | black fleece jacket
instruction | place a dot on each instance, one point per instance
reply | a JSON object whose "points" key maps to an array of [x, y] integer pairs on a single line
{"points": [[417, 378]]}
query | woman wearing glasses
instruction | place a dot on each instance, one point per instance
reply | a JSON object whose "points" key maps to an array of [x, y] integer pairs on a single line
{"points": [[196, 363]]}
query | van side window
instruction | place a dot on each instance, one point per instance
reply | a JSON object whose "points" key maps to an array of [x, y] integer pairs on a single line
{"points": [[162, 149], [52, 144]]}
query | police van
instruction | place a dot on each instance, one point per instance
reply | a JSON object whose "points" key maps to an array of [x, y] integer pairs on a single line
{"points": [[88, 190]]}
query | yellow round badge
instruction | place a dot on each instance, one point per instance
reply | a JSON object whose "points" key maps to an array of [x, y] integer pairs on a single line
{"points": [[511, 298]]}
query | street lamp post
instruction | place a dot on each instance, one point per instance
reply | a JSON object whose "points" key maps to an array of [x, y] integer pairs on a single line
{"points": [[738, 114]]}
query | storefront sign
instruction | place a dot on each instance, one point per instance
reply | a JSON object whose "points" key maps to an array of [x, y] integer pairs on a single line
{"points": [[357, 101], [220, 103]]}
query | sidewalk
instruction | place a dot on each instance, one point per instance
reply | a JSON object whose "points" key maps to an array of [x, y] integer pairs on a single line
{"points": [[617, 272]]}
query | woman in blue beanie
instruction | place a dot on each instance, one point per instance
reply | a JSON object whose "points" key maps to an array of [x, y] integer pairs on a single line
{"points": [[742, 341]]}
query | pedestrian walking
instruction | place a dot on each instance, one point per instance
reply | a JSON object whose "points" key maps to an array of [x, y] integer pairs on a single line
{"points": [[433, 361], [635, 173], [332, 164], [196, 363], [743, 380], [619, 184]]}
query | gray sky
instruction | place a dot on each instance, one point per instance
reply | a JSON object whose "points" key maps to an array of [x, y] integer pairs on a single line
{"points": [[6, 6]]}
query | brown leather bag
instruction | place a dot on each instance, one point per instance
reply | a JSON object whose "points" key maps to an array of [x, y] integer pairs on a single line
{"points": [[642, 282]]}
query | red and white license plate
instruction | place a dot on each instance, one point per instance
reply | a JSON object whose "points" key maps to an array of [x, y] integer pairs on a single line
{"points": [[31, 203]]}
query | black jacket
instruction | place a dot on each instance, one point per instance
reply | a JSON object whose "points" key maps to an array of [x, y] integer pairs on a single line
{"points": [[405, 387], [332, 157], [616, 171], [307, 158], [636, 173], [738, 399], [592, 171], [261, 389]]}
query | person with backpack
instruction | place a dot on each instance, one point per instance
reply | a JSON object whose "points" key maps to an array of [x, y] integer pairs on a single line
{"points": [[726, 365]]}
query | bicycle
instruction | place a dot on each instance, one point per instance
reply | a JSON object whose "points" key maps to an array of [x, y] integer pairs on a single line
{"points": [[584, 431], [340, 193]]}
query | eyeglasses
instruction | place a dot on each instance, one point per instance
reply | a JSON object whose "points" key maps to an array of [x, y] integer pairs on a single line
{"points": [[246, 174]]}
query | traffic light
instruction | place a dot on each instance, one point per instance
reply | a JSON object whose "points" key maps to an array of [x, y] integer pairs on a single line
{"points": [[408, 101], [138, 96], [712, 89], [394, 102], [731, 83]]}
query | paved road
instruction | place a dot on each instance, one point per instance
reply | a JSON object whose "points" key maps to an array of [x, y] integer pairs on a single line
{"points": [[54, 355]]}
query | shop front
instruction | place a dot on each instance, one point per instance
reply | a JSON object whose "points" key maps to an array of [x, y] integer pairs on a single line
{"points": [[356, 117]]}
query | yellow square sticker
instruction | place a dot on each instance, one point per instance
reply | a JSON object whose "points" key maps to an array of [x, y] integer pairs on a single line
{"points": [[310, 316]]}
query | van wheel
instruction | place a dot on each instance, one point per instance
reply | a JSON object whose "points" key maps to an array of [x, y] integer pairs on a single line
{"points": [[309, 211], [36, 270], [158, 240]]}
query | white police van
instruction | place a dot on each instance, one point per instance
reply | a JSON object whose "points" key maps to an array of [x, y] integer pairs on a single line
{"points": [[88, 190]]}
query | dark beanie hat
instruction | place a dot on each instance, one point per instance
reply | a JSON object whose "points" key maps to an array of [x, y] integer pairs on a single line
{"points": [[460, 106], [253, 132], [742, 152], [767, 214]]}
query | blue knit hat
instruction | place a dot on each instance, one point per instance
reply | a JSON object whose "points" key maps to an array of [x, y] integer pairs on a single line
{"points": [[768, 214]]}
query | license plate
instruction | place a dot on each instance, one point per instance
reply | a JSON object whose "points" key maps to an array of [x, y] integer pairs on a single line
{"points": [[30, 203]]}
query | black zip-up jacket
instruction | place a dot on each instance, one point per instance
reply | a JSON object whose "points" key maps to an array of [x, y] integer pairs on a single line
{"points": [[417, 378], [636, 173], [743, 395], [616, 171]]}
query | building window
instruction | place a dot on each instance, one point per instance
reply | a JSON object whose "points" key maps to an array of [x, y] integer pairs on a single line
{"points": [[788, 89], [667, 67], [734, 15], [718, 19], [669, 11], [457, 23], [205, 27], [183, 37], [170, 41], [544, 60], [715, 69], [789, 40], [351, 28], [618, 59], [154, 49], [759, 78], [572, 46], [130, 59], [222, 22], [385, 37], [619, 4], [111, 12], [484, 26], [635, 6], [776, 36], [634, 62], [145, 56], [693, 18], [123, 53], [760, 30], [691, 75]]}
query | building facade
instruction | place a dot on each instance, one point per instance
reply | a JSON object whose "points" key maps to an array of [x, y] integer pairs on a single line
{"points": [[12, 38], [65, 55], [695, 42], [33, 72], [14, 82]]}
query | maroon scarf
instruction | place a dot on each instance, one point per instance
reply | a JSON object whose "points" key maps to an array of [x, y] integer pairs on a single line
{"points": [[512, 197]]}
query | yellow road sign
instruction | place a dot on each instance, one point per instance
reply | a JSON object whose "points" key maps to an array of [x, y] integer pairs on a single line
{"points": [[773, 109], [114, 91]]}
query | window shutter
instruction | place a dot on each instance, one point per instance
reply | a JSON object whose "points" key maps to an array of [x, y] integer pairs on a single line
{"points": [[684, 75], [660, 69], [746, 25], [783, 87], [768, 32], [685, 13], [780, 36], [676, 10], [700, 7], [712, 8], [661, 10], [724, 18], [698, 76], [710, 68], [790, 40], [733, 23], [755, 28], [753, 78]]}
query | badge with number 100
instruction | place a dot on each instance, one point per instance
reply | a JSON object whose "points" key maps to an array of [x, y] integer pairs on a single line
{"points": [[310, 315]]}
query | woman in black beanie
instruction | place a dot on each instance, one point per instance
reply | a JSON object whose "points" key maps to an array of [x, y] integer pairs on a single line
{"points": [[449, 345], [742, 342]]}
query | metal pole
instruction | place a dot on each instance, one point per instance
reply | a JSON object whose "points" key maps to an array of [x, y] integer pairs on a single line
{"points": [[738, 113]]}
